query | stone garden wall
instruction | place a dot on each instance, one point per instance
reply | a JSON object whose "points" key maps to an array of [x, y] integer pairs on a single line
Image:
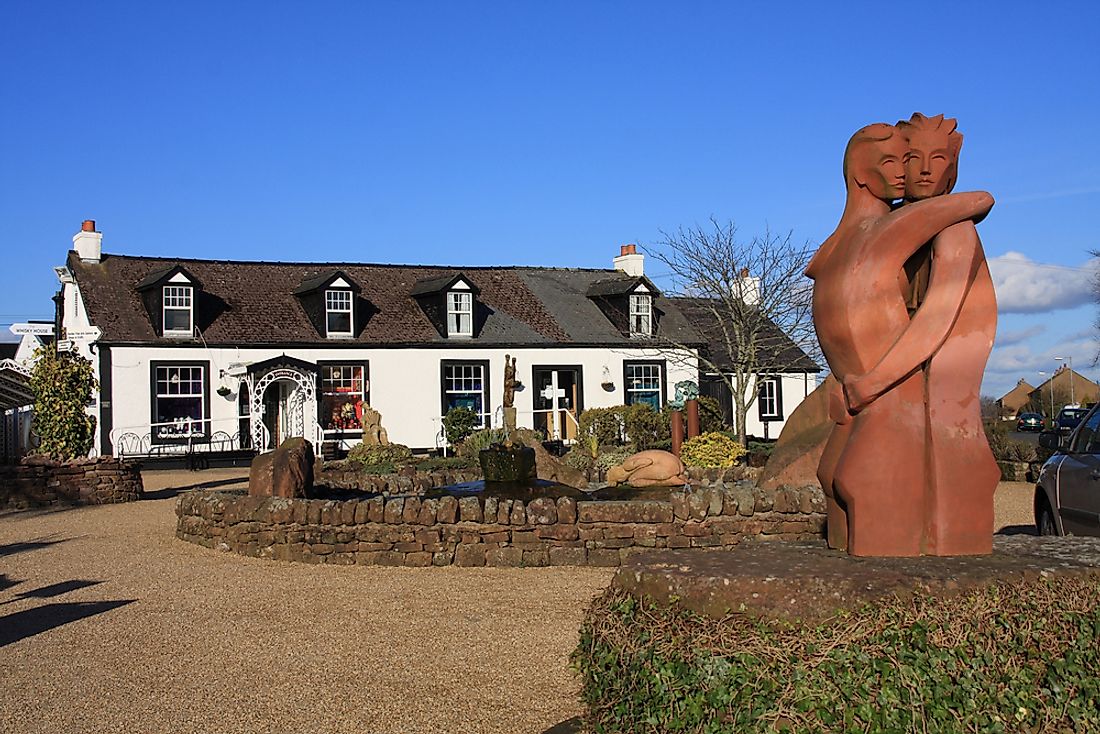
{"points": [[406, 480], [488, 531], [39, 482]]}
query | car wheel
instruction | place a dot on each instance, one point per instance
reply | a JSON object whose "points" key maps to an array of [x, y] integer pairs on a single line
{"points": [[1044, 520]]}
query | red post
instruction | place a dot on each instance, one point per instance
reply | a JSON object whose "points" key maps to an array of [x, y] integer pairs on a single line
{"points": [[693, 418], [677, 431]]}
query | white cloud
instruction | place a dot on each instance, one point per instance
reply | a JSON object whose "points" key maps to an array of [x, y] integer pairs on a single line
{"points": [[1011, 362], [1015, 337], [1025, 286]]}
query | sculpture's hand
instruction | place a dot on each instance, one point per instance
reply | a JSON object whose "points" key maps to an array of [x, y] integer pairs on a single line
{"points": [[838, 406], [856, 397]]}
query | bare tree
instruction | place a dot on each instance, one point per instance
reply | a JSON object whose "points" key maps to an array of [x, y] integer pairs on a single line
{"points": [[751, 301]]}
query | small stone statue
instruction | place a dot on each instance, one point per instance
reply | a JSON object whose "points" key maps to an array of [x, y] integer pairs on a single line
{"points": [[651, 468], [509, 381], [373, 432]]}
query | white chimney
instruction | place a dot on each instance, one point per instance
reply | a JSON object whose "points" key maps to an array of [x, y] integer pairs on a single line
{"points": [[88, 243], [748, 288], [629, 261]]}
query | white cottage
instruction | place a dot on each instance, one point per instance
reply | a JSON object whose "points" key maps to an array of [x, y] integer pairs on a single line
{"points": [[231, 355]]}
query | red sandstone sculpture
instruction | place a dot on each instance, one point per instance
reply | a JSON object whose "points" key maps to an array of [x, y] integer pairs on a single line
{"points": [[652, 468], [906, 469]]}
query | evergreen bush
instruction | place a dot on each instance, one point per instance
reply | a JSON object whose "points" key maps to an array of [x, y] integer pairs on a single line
{"points": [[63, 384], [711, 450], [395, 454], [459, 423]]}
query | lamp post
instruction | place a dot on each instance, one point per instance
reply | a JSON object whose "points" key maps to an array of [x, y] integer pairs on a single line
{"points": [[1069, 363], [1051, 381]]}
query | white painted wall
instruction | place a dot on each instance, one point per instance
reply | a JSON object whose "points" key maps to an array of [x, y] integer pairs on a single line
{"points": [[404, 383]]}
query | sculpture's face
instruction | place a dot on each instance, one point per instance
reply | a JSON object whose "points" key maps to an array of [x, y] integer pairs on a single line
{"points": [[882, 168], [929, 165]]}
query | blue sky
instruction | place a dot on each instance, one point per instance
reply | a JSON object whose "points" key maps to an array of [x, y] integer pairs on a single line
{"points": [[537, 133]]}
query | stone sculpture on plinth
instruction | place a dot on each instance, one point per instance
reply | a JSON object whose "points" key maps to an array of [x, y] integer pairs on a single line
{"points": [[907, 469]]}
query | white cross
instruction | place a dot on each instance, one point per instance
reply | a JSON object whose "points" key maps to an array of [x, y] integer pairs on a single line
{"points": [[549, 393]]}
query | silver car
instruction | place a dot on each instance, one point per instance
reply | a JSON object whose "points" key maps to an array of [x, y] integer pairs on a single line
{"points": [[1067, 495]]}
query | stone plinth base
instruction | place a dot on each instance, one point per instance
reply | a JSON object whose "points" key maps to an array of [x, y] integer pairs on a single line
{"points": [[807, 581], [794, 637]]}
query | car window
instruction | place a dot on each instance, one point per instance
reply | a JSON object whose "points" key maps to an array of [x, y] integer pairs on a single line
{"points": [[1088, 435]]}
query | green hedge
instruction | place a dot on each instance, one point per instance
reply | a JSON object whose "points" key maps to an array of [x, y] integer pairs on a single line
{"points": [[1019, 658]]}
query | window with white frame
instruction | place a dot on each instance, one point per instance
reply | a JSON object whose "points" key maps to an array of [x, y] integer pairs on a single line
{"points": [[460, 313], [641, 315], [338, 312], [179, 401], [464, 386], [769, 399], [344, 394], [644, 383], [178, 310]]}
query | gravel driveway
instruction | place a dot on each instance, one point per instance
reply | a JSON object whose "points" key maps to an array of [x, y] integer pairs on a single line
{"points": [[110, 624]]}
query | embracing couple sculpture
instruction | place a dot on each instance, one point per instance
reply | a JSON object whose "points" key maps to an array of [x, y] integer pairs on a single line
{"points": [[907, 469]]}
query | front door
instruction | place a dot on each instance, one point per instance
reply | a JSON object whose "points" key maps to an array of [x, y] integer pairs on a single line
{"points": [[282, 411], [557, 399]]}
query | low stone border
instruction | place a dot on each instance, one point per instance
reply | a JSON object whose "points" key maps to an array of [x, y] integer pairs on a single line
{"points": [[40, 482], [407, 480], [490, 531]]}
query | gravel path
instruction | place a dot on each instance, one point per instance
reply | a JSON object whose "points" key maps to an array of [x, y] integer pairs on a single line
{"points": [[110, 624], [172, 637]]}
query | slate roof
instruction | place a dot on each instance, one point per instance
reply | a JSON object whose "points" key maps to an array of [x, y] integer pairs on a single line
{"points": [[776, 350], [8, 350], [257, 305]]}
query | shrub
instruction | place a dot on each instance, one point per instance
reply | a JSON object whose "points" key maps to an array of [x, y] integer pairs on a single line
{"points": [[759, 452], [63, 383], [604, 425], [364, 456], [711, 419], [647, 428], [711, 450], [579, 458], [1005, 447], [612, 457], [458, 424], [1012, 658], [472, 445]]}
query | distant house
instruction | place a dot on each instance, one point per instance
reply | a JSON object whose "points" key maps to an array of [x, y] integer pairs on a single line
{"points": [[1009, 404], [1065, 386], [231, 354]]}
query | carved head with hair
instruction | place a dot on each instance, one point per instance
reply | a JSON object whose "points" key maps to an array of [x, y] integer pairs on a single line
{"points": [[932, 161], [873, 161]]}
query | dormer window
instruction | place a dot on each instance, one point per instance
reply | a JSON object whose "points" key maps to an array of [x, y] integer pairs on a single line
{"points": [[338, 316], [627, 302], [179, 312], [641, 315], [450, 303], [171, 296], [460, 313]]}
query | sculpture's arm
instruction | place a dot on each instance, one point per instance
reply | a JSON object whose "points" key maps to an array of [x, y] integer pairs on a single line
{"points": [[956, 254], [904, 230]]}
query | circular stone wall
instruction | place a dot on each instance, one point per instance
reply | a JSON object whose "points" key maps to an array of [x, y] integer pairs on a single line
{"points": [[487, 530]]}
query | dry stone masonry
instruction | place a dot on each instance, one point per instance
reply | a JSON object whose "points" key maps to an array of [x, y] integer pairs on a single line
{"points": [[493, 531], [40, 481]]}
